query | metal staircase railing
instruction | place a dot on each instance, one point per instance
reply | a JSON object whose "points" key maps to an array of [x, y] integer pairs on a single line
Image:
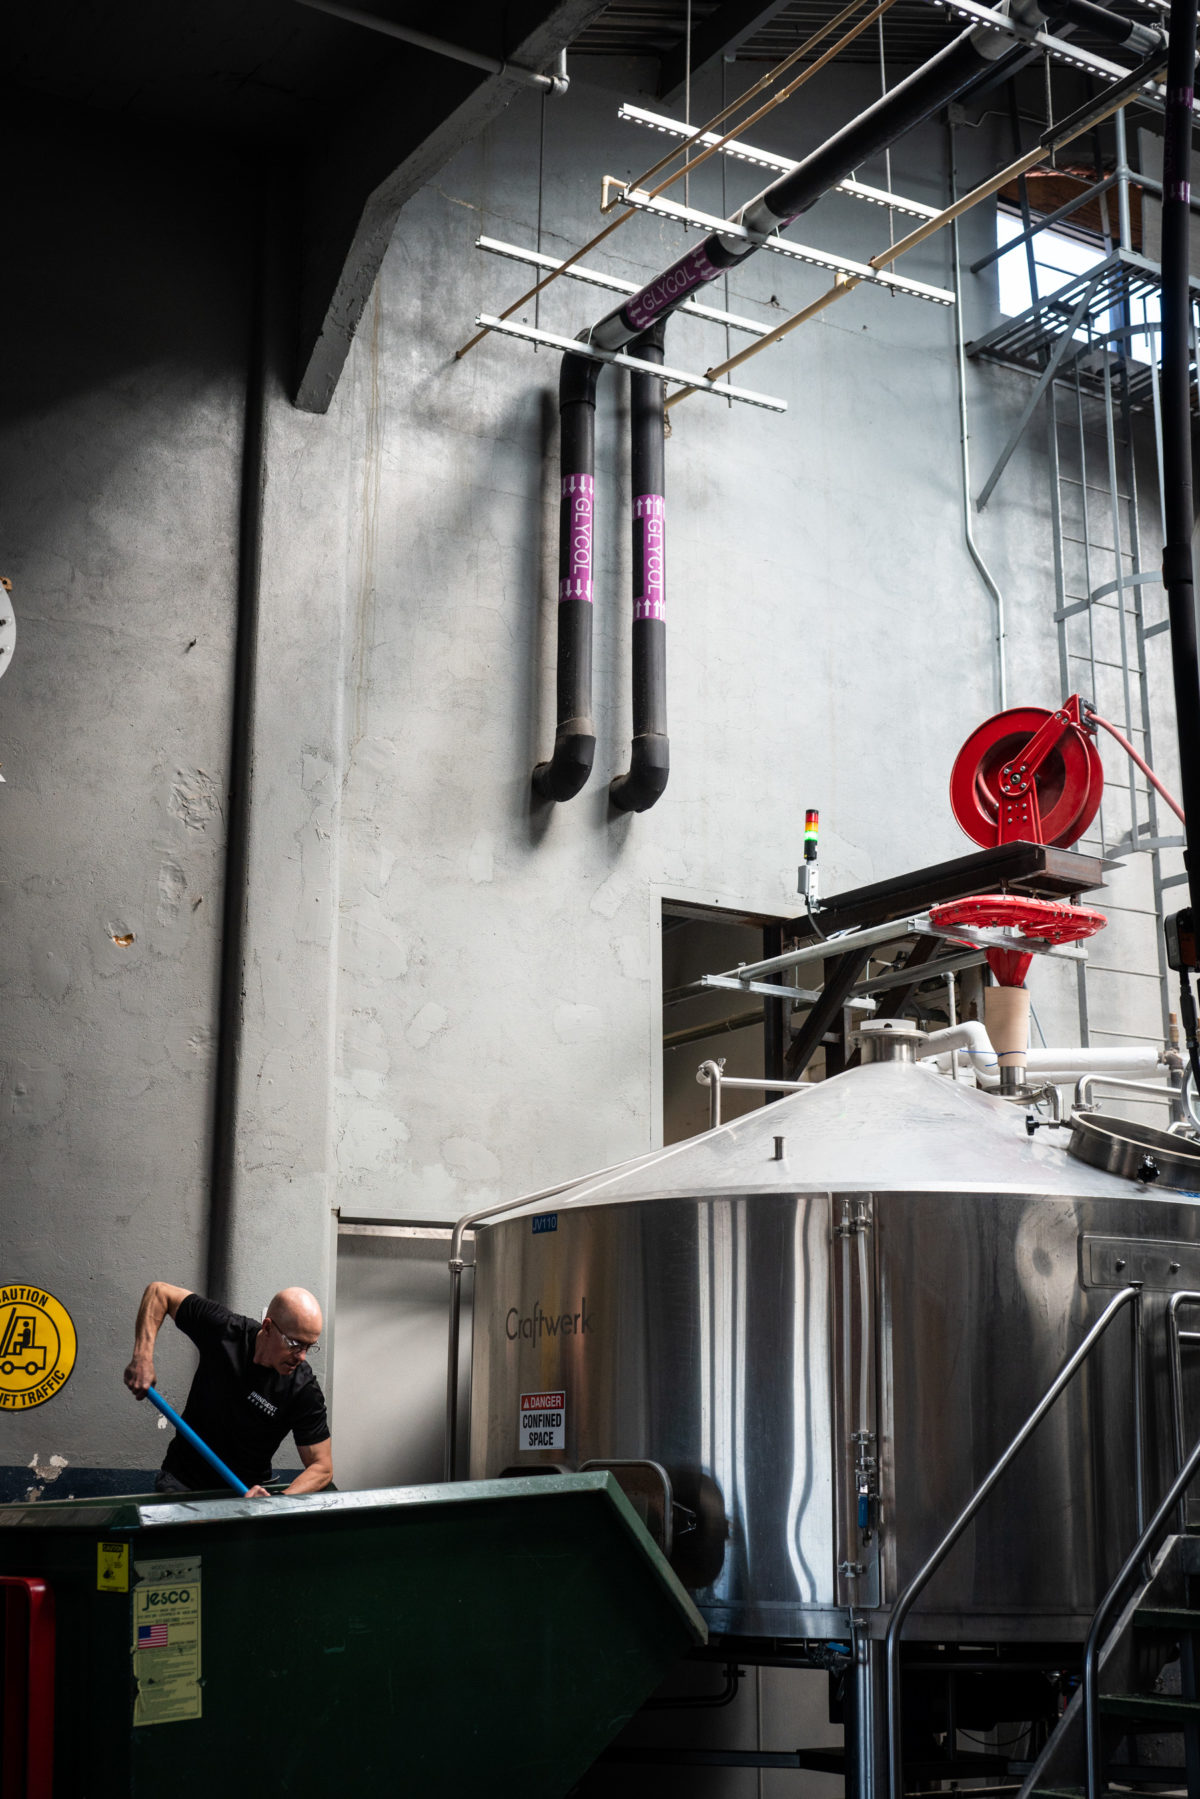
{"points": [[1128, 1296], [1091, 1656]]}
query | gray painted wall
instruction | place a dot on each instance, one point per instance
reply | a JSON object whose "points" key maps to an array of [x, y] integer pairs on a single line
{"points": [[123, 352], [450, 996]]}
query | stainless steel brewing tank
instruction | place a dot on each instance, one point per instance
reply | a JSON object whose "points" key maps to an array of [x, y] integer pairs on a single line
{"points": [[828, 1351]]}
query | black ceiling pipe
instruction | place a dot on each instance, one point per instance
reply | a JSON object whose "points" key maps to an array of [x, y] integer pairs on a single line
{"points": [[1145, 39], [575, 737], [1176, 413], [918, 97], [650, 761]]}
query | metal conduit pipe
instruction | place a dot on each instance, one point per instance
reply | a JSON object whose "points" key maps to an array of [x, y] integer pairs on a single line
{"points": [[909, 103], [646, 778], [558, 83], [575, 737]]}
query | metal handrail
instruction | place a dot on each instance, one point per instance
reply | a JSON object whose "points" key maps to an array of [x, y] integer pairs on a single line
{"points": [[1131, 1294], [1091, 1655], [1175, 1341]]}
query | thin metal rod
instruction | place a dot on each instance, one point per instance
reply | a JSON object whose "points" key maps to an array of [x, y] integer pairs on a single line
{"points": [[1176, 1337], [753, 1085], [1091, 1655], [1137, 1323], [917, 1584], [842, 285]]}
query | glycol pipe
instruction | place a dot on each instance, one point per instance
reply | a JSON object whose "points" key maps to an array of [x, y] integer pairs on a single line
{"points": [[909, 103], [575, 737], [646, 777]]}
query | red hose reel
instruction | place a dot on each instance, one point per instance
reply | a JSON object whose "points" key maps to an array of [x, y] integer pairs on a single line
{"points": [[1028, 774]]}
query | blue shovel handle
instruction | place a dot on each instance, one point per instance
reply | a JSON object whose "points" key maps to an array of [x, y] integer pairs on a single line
{"points": [[185, 1430]]}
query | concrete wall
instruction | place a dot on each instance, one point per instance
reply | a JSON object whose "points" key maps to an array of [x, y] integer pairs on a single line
{"points": [[126, 305], [450, 995]]}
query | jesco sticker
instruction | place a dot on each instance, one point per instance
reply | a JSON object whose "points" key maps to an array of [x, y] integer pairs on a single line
{"points": [[37, 1347]]}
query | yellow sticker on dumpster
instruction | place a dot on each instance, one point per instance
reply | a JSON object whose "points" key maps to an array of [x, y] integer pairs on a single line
{"points": [[166, 1641], [112, 1567]]}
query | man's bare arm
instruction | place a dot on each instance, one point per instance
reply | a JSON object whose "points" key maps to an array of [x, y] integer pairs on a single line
{"points": [[159, 1299], [318, 1467]]}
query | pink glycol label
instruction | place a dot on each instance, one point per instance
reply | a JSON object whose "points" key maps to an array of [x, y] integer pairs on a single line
{"points": [[681, 279], [578, 492], [652, 601]]}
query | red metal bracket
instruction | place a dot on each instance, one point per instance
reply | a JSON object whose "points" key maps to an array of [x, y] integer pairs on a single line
{"points": [[27, 1748]]}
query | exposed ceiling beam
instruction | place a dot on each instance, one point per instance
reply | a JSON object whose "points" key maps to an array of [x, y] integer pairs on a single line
{"points": [[721, 34], [393, 141]]}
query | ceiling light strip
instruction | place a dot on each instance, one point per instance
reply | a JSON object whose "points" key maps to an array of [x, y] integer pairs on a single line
{"points": [[782, 246], [766, 159], [614, 284], [622, 359]]}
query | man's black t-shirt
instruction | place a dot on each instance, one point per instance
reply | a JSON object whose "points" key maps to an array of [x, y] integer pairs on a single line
{"points": [[242, 1410]]}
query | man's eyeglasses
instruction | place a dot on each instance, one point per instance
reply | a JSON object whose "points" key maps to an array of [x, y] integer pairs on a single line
{"points": [[293, 1342]]}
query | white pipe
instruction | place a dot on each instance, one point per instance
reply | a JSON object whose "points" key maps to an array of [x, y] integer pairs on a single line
{"points": [[1139, 1058], [970, 1036]]}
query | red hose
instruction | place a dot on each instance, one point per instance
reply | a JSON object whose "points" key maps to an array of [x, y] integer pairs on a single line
{"points": [[1094, 718]]}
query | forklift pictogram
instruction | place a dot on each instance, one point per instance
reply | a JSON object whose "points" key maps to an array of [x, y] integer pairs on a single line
{"points": [[19, 1347]]}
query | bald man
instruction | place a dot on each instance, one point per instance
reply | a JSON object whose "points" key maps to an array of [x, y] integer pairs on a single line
{"points": [[254, 1385]]}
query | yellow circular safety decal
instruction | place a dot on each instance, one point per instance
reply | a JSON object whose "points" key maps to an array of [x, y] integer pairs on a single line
{"points": [[37, 1347]]}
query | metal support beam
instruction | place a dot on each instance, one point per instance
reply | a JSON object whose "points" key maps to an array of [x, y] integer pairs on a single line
{"points": [[1065, 343], [721, 34], [840, 978]]}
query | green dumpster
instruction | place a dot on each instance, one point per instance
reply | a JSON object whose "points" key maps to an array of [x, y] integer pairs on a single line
{"points": [[485, 1636]]}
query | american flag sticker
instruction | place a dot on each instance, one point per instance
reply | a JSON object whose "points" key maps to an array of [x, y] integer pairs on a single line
{"points": [[152, 1636]]}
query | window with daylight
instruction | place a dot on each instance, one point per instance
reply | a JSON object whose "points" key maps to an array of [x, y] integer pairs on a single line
{"points": [[1059, 258]]}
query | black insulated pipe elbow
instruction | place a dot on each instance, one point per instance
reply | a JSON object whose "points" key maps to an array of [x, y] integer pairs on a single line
{"points": [[650, 762], [575, 735]]}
